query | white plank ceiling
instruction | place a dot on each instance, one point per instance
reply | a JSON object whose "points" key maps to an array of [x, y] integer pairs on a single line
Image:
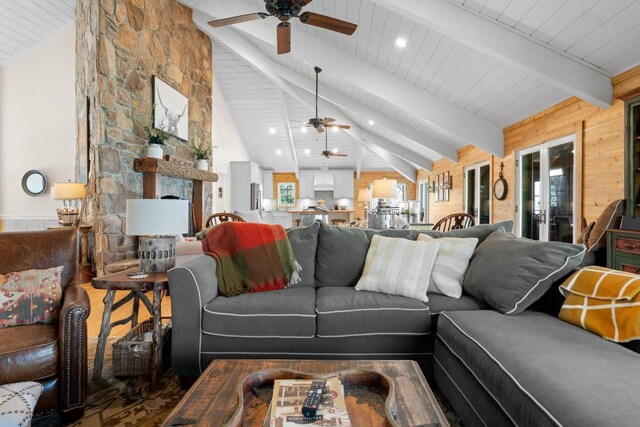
{"points": [[26, 23], [600, 35]]}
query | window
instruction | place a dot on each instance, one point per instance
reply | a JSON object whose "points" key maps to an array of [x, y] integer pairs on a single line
{"points": [[402, 192], [286, 194]]}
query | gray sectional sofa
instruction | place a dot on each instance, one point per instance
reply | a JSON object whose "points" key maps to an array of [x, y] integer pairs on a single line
{"points": [[529, 369]]}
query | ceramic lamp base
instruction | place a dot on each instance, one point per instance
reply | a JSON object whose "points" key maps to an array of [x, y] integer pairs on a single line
{"points": [[157, 254]]}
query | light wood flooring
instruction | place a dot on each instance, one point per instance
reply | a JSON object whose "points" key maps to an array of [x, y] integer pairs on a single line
{"points": [[97, 308]]}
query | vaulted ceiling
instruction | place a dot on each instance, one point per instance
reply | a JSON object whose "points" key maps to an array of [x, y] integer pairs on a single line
{"points": [[469, 69]]}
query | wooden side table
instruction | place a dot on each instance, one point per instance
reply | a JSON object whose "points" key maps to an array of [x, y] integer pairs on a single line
{"points": [[156, 283]]}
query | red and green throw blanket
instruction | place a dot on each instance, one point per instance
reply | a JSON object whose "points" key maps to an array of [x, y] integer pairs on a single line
{"points": [[251, 257]]}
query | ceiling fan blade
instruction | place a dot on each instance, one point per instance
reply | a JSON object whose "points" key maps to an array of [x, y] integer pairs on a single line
{"points": [[238, 19], [328, 120], [301, 3], [320, 129], [338, 155], [284, 38], [335, 125], [328, 23]]}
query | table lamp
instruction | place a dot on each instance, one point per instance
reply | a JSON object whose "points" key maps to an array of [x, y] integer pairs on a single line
{"points": [[364, 197], [385, 190], [157, 221], [69, 193]]}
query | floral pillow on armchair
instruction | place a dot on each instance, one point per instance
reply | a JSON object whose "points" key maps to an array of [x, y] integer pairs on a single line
{"points": [[30, 296]]}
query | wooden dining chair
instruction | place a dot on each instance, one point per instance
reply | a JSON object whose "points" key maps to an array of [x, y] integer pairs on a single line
{"points": [[220, 217], [454, 221]]}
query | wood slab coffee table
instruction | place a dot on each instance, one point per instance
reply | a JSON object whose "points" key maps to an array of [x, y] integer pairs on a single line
{"points": [[215, 398]]}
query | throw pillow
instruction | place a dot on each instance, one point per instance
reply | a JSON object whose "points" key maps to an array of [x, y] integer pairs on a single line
{"points": [[17, 402], [609, 218], [30, 296], [250, 216], [399, 267], [511, 273], [603, 301], [451, 264], [480, 232], [584, 236]]}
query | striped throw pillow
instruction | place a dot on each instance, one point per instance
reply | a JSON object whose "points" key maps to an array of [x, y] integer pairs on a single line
{"points": [[451, 264], [399, 266]]}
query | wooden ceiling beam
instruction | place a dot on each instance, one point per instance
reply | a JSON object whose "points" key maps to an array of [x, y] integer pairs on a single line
{"points": [[506, 45]]}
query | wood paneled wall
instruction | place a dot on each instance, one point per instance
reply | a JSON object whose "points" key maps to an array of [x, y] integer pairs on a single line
{"points": [[368, 177], [600, 131]]}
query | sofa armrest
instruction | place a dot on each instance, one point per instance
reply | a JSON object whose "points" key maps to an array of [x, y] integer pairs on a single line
{"points": [[72, 338], [192, 286]]}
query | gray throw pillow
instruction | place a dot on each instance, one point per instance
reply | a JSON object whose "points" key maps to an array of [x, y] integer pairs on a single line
{"points": [[511, 273], [304, 242], [479, 232]]}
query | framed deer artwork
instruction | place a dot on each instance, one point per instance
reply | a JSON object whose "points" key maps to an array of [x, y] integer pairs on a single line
{"points": [[171, 110]]}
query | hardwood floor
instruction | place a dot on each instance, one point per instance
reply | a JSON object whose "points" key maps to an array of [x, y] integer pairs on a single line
{"points": [[97, 308]]}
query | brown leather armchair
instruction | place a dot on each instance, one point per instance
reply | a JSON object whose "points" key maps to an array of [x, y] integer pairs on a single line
{"points": [[53, 354]]}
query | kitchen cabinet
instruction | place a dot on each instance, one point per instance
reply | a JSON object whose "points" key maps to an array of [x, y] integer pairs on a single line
{"points": [[267, 185], [343, 185], [285, 219], [242, 175], [306, 190]]}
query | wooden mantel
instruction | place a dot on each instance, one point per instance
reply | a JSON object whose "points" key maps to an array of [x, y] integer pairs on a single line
{"points": [[153, 169]]}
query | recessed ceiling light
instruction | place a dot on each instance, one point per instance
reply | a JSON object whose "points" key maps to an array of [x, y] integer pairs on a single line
{"points": [[279, 152], [335, 150], [307, 151], [371, 123], [272, 131], [400, 42], [303, 129]]}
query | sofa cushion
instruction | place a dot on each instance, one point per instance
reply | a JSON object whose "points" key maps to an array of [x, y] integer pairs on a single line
{"points": [[543, 371], [399, 267], [304, 242], [342, 251], [287, 313], [511, 273], [480, 232], [28, 353], [343, 311], [439, 303]]}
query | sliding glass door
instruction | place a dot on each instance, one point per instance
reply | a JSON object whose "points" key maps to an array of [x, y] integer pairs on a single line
{"points": [[546, 191], [477, 192]]}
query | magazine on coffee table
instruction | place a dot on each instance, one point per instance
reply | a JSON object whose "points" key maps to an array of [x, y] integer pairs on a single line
{"points": [[289, 395]]}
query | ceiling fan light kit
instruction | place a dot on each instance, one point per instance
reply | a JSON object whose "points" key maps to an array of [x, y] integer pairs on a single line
{"points": [[285, 10]]}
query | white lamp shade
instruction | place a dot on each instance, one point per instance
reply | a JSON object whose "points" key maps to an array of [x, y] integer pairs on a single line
{"points": [[68, 191], [385, 189], [157, 217], [364, 195]]}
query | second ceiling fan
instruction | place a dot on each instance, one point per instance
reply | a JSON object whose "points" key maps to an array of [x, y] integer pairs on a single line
{"points": [[285, 10]]}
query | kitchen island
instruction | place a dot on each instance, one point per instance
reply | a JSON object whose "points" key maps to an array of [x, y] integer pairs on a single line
{"points": [[289, 218]]}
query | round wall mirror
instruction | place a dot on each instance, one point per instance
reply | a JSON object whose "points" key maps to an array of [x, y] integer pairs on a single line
{"points": [[34, 183]]}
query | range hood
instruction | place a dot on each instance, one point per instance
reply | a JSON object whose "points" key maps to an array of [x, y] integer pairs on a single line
{"points": [[323, 181]]}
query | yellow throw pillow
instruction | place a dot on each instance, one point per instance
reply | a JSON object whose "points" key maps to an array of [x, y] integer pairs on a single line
{"points": [[603, 301]]}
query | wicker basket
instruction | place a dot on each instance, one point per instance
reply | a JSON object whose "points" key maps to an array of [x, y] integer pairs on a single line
{"points": [[132, 356]]}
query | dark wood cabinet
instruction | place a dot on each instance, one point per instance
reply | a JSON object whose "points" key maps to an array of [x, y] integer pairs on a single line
{"points": [[623, 250]]}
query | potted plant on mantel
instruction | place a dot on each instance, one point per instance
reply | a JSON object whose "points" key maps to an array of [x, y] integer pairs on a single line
{"points": [[202, 153], [156, 136]]}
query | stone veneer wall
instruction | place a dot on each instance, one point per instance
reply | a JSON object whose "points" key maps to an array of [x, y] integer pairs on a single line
{"points": [[121, 45]]}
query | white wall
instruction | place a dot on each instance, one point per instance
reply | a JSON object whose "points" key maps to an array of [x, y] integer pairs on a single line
{"points": [[37, 124], [231, 148]]}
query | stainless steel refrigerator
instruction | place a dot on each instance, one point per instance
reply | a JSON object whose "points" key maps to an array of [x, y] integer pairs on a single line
{"points": [[256, 197]]}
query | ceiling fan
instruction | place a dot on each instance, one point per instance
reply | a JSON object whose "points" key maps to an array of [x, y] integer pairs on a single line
{"points": [[285, 10], [319, 124], [328, 154]]}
